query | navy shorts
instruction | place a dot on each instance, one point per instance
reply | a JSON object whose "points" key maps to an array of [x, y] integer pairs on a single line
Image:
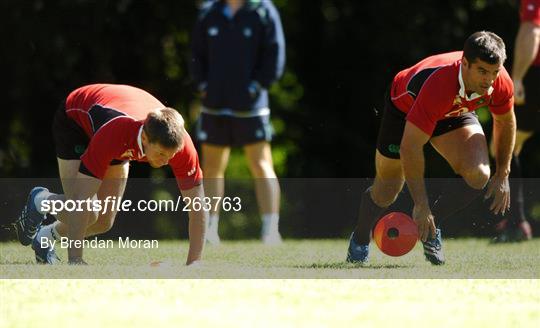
{"points": [[393, 124], [70, 139], [528, 115], [226, 130]]}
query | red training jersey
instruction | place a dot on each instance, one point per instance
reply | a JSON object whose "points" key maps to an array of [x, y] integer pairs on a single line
{"points": [[529, 11], [433, 90], [113, 116]]}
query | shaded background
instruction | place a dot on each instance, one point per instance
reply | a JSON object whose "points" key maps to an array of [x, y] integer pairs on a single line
{"points": [[341, 56]]}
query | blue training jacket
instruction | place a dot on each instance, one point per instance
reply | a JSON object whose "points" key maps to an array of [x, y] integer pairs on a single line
{"points": [[235, 59]]}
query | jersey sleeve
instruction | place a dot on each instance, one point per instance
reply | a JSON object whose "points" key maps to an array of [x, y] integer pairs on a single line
{"points": [[272, 61], [502, 100], [185, 166], [430, 104], [530, 11], [103, 147]]}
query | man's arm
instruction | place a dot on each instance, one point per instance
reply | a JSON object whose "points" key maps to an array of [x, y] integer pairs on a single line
{"points": [[412, 161], [272, 61], [504, 136], [526, 50], [197, 224]]}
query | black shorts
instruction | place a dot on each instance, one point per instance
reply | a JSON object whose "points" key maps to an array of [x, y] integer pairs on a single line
{"points": [[528, 115], [393, 125], [224, 130], [69, 138]]}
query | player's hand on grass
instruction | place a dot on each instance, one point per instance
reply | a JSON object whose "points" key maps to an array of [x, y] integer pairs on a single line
{"points": [[499, 189], [425, 222]]}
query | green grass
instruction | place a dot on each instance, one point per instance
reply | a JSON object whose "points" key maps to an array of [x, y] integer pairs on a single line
{"points": [[466, 258], [278, 301]]}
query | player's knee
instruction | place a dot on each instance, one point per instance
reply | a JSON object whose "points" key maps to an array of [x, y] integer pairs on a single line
{"points": [[261, 169], [103, 225], [92, 219], [384, 199], [477, 177]]}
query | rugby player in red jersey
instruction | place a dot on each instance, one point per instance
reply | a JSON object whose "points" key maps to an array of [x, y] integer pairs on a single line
{"points": [[99, 130], [434, 101], [526, 77]]}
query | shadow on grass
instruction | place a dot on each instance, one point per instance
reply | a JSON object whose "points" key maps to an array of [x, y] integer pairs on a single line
{"points": [[345, 265]]}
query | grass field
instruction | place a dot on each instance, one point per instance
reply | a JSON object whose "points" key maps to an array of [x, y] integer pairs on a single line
{"points": [[279, 301], [466, 258]]}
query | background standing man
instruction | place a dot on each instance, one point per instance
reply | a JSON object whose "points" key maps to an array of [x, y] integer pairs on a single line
{"points": [[238, 50]]}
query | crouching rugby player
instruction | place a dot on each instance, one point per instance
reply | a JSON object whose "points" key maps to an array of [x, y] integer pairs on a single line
{"points": [[434, 101], [99, 130]]}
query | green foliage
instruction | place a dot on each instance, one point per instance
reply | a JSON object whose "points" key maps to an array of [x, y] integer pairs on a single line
{"points": [[341, 57]]}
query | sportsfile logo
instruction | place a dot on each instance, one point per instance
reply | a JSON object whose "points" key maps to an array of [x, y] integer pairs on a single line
{"points": [[117, 204]]}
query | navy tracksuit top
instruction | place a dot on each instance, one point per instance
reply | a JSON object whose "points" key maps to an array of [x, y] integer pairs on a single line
{"points": [[236, 58]]}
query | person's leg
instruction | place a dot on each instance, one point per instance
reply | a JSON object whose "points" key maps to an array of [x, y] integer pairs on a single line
{"points": [[375, 200], [68, 170], [388, 183], [259, 157], [515, 226], [113, 185], [254, 134], [517, 216], [214, 164], [517, 202], [465, 149]]}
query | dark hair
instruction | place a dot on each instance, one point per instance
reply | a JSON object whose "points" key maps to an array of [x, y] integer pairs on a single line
{"points": [[486, 46], [165, 127]]}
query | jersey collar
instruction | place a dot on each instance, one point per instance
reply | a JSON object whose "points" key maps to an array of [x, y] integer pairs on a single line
{"points": [[462, 92], [139, 141]]}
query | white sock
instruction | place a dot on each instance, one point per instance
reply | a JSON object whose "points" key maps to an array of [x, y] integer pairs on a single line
{"points": [[41, 196], [213, 224], [270, 224], [49, 232]]}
